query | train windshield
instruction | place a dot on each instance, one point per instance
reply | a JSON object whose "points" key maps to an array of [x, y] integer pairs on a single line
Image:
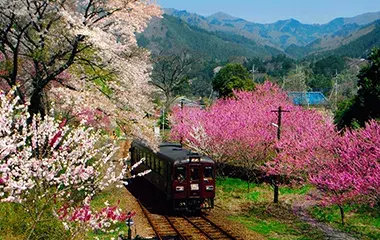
{"points": [[194, 174], [180, 173], [208, 173]]}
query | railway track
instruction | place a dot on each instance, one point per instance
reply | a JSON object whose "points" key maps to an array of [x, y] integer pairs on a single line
{"points": [[185, 228]]}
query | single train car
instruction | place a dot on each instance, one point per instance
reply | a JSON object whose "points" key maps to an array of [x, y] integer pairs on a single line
{"points": [[186, 178]]}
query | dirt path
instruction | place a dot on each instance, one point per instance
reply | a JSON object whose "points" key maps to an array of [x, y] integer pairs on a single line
{"points": [[330, 233]]}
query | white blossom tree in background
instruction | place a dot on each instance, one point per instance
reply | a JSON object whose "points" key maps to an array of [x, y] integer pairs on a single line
{"points": [[48, 167], [82, 53]]}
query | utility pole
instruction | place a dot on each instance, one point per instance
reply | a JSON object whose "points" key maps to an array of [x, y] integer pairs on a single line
{"points": [[181, 139], [163, 121], [336, 89], [253, 72], [276, 178]]}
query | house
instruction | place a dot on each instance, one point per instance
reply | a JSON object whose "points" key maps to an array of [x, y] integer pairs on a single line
{"points": [[308, 98]]}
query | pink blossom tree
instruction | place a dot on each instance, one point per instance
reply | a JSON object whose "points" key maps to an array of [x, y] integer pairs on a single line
{"points": [[240, 130], [352, 173], [345, 168], [49, 167]]}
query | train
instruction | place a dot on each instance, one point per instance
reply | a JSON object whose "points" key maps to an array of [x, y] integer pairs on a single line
{"points": [[186, 178]]}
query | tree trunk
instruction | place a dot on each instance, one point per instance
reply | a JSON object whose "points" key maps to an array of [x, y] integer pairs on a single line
{"points": [[275, 188], [341, 213], [275, 195], [36, 104]]}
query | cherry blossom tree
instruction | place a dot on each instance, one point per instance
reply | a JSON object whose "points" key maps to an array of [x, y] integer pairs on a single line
{"points": [[49, 167], [82, 52], [352, 173], [241, 130]]}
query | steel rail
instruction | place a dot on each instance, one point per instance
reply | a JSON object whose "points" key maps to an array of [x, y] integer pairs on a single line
{"points": [[217, 227], [146, 213]]}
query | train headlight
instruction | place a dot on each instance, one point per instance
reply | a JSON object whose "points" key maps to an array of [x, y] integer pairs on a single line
{"points": [[209, 188], [180, 188], [194, 187]]}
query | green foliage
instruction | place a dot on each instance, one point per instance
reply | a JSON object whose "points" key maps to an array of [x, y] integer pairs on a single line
{"points": [[320, 82], [329, 66], [212, 45], [13, 223], [115, 196], [278, 221], [365, 105], [237, 188], [143, 41], [295, 190], [232, 77], [361, 46], [362, 221], [280, 65], [275, 221], [163, 121], [258, 63]]}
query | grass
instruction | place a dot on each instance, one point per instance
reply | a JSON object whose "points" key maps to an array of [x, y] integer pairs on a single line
{"points": [[112, 195], [237, 188], [254, 209], [14, 220], [361, 221], [15, 223]]}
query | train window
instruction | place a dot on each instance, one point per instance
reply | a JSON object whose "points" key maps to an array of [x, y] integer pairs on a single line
{"points": [[164, 169], [168, 170], [161, 171], [158, 162], [208, 172], [154, 163], [133, 154], [180, 173], [147, 160], [194, 174]]}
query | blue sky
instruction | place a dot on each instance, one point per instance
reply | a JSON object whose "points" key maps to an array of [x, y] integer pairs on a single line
{"points": [[268, 11]]}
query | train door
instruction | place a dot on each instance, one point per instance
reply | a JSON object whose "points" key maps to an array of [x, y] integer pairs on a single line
{"points": [[209, 181], [179, 182], [196, 185]]}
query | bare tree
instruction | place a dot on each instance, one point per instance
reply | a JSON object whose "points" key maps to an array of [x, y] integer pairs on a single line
{"points": [[41, 39], [171, 71]]}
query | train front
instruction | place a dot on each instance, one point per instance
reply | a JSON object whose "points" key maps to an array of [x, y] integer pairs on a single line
{"points": [[194, 183]]}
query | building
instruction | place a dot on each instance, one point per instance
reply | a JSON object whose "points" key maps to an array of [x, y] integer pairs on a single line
{"points": [[308, 98]]}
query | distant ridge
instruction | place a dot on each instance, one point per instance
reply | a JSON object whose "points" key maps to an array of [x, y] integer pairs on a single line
{"points": [[221, 16], [363, 19], [243, 38]]}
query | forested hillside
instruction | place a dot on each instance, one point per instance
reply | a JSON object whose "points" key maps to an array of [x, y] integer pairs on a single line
{"points": [[282, 33], [360, 47], [221, 36], [172, 33], [356, 45]]}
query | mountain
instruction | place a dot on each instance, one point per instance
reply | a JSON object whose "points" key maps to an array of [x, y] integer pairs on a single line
{"points": [[282, 34], [221, 36], [173, 33], [363, 19], [358, 45]]}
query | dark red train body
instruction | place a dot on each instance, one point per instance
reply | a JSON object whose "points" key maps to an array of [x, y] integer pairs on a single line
{"points": [[186, 178]]}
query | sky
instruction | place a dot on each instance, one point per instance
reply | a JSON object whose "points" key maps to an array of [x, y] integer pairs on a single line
{"points": [[268, 11]]}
